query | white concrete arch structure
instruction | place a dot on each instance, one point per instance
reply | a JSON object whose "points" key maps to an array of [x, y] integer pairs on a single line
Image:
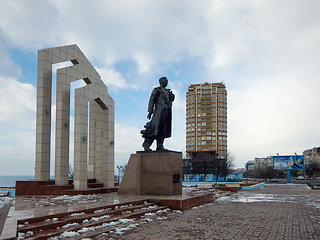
{"points": [[101, 124], [101, 132]]}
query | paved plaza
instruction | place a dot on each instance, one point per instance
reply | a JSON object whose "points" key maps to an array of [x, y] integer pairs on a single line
{"points": [[278, 211]]}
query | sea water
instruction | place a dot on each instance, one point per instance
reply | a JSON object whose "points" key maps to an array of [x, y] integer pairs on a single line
{"points": [[10, 181]]}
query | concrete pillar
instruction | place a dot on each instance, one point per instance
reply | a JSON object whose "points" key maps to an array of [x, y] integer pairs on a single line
{"points": [[108, 147], [98, 146], [43, 130], [80, 139], [62, 129]]}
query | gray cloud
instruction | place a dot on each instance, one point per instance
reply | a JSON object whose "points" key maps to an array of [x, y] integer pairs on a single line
{"points": [[267, 53]]}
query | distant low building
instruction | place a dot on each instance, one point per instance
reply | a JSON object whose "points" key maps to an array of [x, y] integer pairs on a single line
{"points": [[239, 170], [249, 165], [312, 155], [263, 162], [259, 163]]}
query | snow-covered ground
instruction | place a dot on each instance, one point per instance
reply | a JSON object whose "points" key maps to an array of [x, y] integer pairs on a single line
{"points": [[5, 201]]}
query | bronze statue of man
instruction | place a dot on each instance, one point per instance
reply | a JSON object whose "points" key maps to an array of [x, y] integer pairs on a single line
{"points": [[159, 108]]}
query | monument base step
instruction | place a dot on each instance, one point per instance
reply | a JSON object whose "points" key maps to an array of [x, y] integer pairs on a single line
{"points": [[32, 187]]}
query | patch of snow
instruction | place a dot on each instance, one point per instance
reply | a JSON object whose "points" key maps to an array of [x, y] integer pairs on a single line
{"points": [[149, 214], [53, 238], [70, 225], [21, 235], [120, 231], [111, 224], [85, 229], [96, 219], [202, 206], [150, 207], [77, 214], [148, 219], [99, 211], [163, 211], [125, 220], [69, 234], [177, 211]]}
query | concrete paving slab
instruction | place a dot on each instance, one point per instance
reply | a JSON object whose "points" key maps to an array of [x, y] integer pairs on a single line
{"points": [[24, 207], [275, 211]]}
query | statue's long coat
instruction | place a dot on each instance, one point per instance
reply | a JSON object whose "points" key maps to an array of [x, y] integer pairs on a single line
{"points": [[160, 104]]}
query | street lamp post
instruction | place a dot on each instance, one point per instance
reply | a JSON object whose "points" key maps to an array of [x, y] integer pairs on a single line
{"points": [[119, 168], [247, 177]]}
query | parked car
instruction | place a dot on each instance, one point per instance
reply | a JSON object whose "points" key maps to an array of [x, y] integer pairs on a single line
{"points": [[300, 178]]}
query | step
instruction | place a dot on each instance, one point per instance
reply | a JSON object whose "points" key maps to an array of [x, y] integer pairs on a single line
{"points": [[95, 185], [89, 191], [92, 180], [104, 222], [98, 220], [88, 210], [48, 182], [58, 220], [89, 180], [126, 225]]}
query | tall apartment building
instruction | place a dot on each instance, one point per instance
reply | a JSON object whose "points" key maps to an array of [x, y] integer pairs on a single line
{"points": [[206, 118]]}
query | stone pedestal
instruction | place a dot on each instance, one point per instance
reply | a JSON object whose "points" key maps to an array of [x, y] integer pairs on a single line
{"points": [[155, 173]]}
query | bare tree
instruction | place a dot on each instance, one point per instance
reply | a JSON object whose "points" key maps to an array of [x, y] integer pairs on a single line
{"points": [[70, 172], [229, 165], [312, 169], [199, 163], [267, 172], [203, 163]]}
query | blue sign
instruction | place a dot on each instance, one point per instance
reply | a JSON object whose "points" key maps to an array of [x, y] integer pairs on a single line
{"points": [[294, 162]]}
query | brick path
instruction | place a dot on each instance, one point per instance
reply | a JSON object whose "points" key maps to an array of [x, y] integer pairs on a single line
{"points": [[271, 212]]}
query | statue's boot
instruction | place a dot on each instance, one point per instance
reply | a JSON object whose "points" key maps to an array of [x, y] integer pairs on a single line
{"points": [[147, 143], [160, 147]]}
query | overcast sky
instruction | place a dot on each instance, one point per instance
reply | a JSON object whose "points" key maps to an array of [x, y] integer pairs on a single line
{"points": [[266, 52]]}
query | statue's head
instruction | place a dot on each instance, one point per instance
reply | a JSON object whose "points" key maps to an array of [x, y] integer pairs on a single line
{"points": [[163, 81]]}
